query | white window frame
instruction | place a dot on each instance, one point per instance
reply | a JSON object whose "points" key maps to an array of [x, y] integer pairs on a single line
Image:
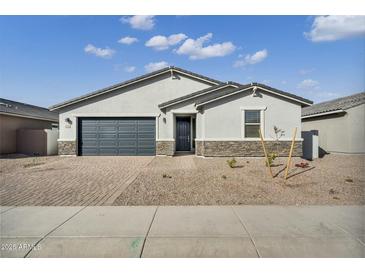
{"points": [[262, 121]]}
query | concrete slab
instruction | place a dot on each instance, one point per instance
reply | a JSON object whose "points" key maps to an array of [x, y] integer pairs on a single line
{"points": [[309, 247], [17, 247], [277, 221], [349, 218], [196, 221], [223, 247], [88, 247], [33, 221], [109, 221], [5, 208]]}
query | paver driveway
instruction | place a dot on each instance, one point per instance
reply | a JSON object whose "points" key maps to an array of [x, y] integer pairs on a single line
{"points": [[67, 181]]}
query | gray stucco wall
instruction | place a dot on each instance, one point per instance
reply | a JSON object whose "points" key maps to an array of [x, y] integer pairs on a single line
{"points": [[340, 133], [142, 101], [221, 120], [224, 119]]}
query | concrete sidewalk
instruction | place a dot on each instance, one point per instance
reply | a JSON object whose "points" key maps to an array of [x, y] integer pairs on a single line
{"points": [[199, 231]]}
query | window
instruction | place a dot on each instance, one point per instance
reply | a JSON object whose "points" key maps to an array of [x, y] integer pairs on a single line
{"points": [[252, 123]]}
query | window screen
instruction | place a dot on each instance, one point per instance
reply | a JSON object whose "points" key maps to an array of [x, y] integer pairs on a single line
{"points": [[252, 123]]}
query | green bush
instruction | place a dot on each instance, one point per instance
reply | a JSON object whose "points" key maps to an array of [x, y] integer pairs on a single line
{"points": [[271, 157], [232, 163]]}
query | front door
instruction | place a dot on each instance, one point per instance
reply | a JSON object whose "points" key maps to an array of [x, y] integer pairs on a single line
{"points": [[183, 137]]}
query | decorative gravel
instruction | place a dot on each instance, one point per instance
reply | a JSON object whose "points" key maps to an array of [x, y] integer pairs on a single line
{"points": [[190, 180]]}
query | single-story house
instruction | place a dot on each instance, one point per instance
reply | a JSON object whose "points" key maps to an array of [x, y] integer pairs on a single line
{"points": [[174, 110], [339, 123], [22, 128]]}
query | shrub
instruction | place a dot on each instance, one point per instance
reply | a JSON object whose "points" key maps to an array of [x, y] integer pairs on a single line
{"points": [[271, 157], [232, 163]]}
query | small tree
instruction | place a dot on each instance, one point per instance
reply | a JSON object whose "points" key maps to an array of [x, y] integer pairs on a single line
{"points": [[278, 134]]}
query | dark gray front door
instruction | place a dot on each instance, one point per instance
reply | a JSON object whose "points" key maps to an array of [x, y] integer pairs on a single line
{"points": [[117, 136], [183, 134]]}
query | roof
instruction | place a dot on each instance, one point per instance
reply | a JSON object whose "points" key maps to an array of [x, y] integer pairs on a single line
{"points": [[224, 93], [194, 94], [26, 110], [134, 80], [339, 104], [220, 91]]}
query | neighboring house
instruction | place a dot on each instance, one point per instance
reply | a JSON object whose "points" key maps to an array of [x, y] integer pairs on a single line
{"points": [[16, 122], [340, 124], [173, 110]]}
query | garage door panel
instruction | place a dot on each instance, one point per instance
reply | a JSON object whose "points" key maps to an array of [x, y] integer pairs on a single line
{"points": [[145, 143], [117, 136], [90, 143], [108, 143], [146, 151], [127, 128], [127, 135], [87, 135], [108, 151], [90, 128], [108, 128], [147, 135], [127, 151], [89, 151], [107, 135]]}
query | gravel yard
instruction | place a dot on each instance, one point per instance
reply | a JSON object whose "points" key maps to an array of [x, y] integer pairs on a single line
{"points": [[180, 180], [189, 180]]}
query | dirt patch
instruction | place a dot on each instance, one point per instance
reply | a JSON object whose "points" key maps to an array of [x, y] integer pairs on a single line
{"points": [[189, 180]]}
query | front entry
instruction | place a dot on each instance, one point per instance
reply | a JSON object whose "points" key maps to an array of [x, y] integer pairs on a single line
{"points": [[183, 134]]}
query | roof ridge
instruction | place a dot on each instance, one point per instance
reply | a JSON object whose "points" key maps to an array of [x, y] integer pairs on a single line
{"points": [[131, 81], [191, 95], [25, 104], [340, 98]]}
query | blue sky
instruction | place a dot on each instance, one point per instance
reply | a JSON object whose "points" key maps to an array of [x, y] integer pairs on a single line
{"points": [[48, 59]]}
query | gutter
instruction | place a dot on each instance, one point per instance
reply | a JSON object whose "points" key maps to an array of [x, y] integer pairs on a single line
{"points": [[324, 114], [29, 117], [197, 95]]}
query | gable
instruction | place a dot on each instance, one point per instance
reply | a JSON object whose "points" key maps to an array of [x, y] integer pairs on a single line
{"points": [[139, 98], [173, 72], [252, 89]]}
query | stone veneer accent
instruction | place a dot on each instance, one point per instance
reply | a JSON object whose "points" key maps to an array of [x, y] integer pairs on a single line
{"points": [[245, 148], [67, 148], [165, 148], [199, 148]]}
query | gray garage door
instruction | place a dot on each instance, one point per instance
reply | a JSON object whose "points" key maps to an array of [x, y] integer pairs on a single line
{"points": [[117, 136]]}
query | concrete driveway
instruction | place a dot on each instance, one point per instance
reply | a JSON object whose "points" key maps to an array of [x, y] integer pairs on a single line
{"points": [[71, 181], [201, 231]]}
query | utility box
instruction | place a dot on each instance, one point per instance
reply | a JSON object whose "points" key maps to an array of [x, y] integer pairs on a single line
{"points": [[310, 144]]}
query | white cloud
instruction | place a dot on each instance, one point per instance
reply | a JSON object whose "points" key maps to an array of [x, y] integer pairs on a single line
{"points": [[305, 71], [100, 52], [129, 69], [308, 84], [155, 66], [142, 22], [160, 42], [196, 50], [249, 59], [127, 40], [334, 27]]}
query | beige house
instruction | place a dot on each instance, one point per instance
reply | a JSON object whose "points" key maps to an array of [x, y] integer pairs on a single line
{"points": [[340, 124], [173, 110], [22, 128]]}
